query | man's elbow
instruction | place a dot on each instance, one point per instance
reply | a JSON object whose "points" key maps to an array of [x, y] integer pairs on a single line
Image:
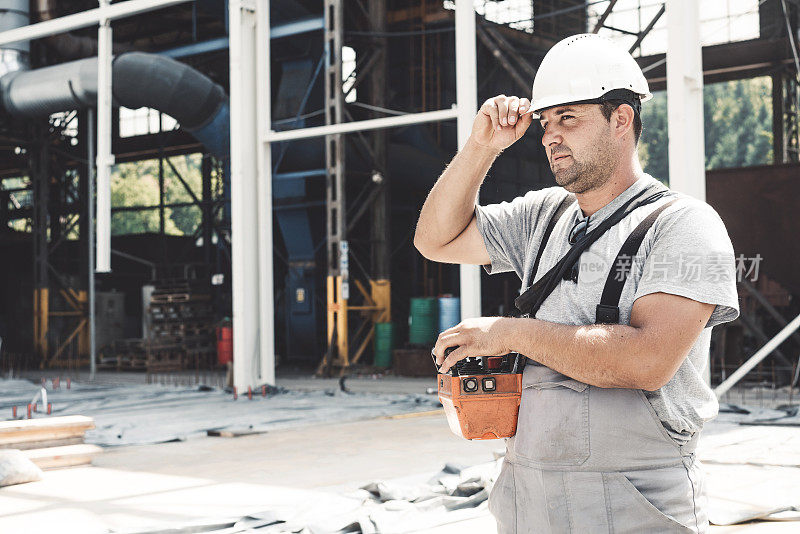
{"points": [[652, 383], [419, 242], [655, 377], [423, 247]]}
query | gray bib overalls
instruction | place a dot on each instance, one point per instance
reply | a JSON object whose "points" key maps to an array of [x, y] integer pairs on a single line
{"points": [[594, 460]]}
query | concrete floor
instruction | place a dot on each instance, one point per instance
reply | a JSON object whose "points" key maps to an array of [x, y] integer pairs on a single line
{"points": [[336, 457], [181, 482]]}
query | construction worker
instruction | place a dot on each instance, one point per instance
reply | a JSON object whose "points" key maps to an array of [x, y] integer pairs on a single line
{"points": [[613, 397]]}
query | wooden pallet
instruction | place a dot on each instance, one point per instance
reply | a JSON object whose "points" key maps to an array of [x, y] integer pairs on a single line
{"points": [[123, 362], [169, 298], [181, 327], [24, 431], [65, 456]]}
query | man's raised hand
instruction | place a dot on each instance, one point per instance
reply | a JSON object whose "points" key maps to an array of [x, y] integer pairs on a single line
{"points": [[501, 121]]}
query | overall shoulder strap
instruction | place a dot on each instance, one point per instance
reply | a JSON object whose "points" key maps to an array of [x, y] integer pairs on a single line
{"points": [[529, 302], [568, 200], [607, 311]]}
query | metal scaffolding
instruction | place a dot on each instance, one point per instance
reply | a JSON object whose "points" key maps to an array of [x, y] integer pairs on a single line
{"points": [[358, 131]]}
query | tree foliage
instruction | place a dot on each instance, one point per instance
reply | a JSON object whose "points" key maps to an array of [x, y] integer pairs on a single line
{"points": [[136, 184], [737, 118]]}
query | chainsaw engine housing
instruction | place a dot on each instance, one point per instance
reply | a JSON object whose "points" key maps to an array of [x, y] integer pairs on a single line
{"points": [[481, 397]]}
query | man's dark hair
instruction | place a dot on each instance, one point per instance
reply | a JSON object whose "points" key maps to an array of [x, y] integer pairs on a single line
{"points": [[608, 108]]}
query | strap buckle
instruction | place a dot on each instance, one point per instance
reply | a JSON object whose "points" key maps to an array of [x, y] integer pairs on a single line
{"points": [[606, 314]]}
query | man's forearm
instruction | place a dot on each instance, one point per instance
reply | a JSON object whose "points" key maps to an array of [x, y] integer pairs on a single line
{"points": [[451, 202], [601, 355]]}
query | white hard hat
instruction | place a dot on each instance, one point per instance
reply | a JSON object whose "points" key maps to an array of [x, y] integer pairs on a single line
{"points": [[584, 68]]}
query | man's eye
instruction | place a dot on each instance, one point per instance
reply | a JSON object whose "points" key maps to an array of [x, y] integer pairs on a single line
{"points": [[565, 117]]}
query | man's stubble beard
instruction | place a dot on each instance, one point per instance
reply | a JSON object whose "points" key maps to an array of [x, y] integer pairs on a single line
{"points": [[590, 172]]}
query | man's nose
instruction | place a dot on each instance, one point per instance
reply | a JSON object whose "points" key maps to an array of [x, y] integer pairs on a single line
{"points": [[551, 137]]}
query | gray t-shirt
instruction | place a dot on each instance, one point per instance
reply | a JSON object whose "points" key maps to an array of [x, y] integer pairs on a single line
{"points": [[686, 252]]}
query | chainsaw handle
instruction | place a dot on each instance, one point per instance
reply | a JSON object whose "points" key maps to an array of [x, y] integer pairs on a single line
{"points": [[447, 352]]}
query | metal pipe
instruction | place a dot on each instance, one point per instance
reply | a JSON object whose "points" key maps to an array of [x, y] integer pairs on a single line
{"points": [[84, 19], [221, 43], [295, 27], [14, 14], [105, 159], [90, 140], [467, 100], [137, 259], [754, 360], [370, 124]]}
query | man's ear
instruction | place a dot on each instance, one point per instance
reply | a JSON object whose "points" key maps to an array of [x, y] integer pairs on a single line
{"points": [[623, 120]]}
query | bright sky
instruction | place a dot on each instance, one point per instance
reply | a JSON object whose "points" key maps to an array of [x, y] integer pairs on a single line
{"points": [[721, 21]]}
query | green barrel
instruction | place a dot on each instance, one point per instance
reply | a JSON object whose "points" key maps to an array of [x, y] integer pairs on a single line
{"points": [[423, 321], [384, 343]]}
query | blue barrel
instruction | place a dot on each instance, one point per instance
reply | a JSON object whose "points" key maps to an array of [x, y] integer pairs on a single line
{"points": [[449, 312]]}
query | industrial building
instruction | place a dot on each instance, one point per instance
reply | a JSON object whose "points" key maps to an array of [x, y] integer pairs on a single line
{"points": [[177, 172]]}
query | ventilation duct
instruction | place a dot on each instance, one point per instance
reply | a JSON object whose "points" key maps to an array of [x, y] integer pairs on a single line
{"points": [[139, 80], [15, 56]]}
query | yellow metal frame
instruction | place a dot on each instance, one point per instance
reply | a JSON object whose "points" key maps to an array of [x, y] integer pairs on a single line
{"points": [[78, 301], [41, 302], [377, 310]]}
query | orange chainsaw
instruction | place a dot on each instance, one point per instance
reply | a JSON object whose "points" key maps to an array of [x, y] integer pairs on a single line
{"points": [[481, 395]]}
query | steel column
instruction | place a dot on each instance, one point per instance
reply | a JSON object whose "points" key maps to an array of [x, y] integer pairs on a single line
{"points": [[334, 185], [381, 207], [778, 145], [208, 209], [467, 98], [90, 143], [685, 99], [266, 317], [244, 203], [791, 118], [40, 173], [105, 159]]}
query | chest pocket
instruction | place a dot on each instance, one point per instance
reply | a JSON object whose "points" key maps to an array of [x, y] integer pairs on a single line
{"points": [[553, 428]]}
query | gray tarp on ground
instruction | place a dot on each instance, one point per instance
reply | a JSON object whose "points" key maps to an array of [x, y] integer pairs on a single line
{"points": [[737, 492], [753, 473], [142, 414], [388, 507]]}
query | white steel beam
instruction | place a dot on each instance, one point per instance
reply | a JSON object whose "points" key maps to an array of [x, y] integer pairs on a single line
{"points": [[263, 117], [359, 126], [685, 99], [90, 179], [467, 100], [105, 159], [244, 198], [756, 358], [84, 19]]}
